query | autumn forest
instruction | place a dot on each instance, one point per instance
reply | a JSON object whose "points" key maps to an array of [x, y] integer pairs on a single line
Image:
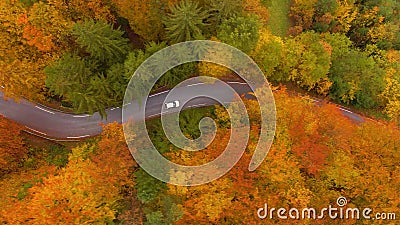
{"points": [[79, 56]]}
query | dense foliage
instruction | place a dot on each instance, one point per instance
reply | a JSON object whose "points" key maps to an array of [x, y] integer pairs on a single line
{"points": [[335, 48], [82, 56], [318, 155]]}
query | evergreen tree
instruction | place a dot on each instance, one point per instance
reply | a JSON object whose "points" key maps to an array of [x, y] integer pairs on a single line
{"points": [[74, 79], [67, 75], [102, 41], [185, 22], [94, 79]]}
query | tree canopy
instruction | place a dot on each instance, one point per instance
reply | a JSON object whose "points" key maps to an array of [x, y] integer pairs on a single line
{"points": [[185, 22]]}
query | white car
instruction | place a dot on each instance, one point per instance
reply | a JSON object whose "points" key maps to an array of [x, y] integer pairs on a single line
{"points": [[174, 104]]}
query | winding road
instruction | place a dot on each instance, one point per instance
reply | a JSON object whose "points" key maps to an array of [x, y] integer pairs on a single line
{"points": [[55, 125]]}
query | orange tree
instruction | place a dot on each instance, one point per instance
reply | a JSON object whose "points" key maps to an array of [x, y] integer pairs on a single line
{"points": [[12, 148]]}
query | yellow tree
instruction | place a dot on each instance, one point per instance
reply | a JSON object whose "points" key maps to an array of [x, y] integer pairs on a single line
{"points": [[204, 203], [11, 47], [11, 41], [78, 195], [391, 94], [144, 16], [303, 12], [44, 23], [268, 52], [92, 9], [374, 149], [114, 157], [256, 7], [30, 40], [90, 189], [23, 78], [15, 189], [345, 14]]}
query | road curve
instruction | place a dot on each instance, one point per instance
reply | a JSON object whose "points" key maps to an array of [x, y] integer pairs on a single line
{"points": [[51, 124]]}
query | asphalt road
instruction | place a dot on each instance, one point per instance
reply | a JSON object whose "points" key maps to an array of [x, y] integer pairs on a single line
{"points": [[52, 124]]}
